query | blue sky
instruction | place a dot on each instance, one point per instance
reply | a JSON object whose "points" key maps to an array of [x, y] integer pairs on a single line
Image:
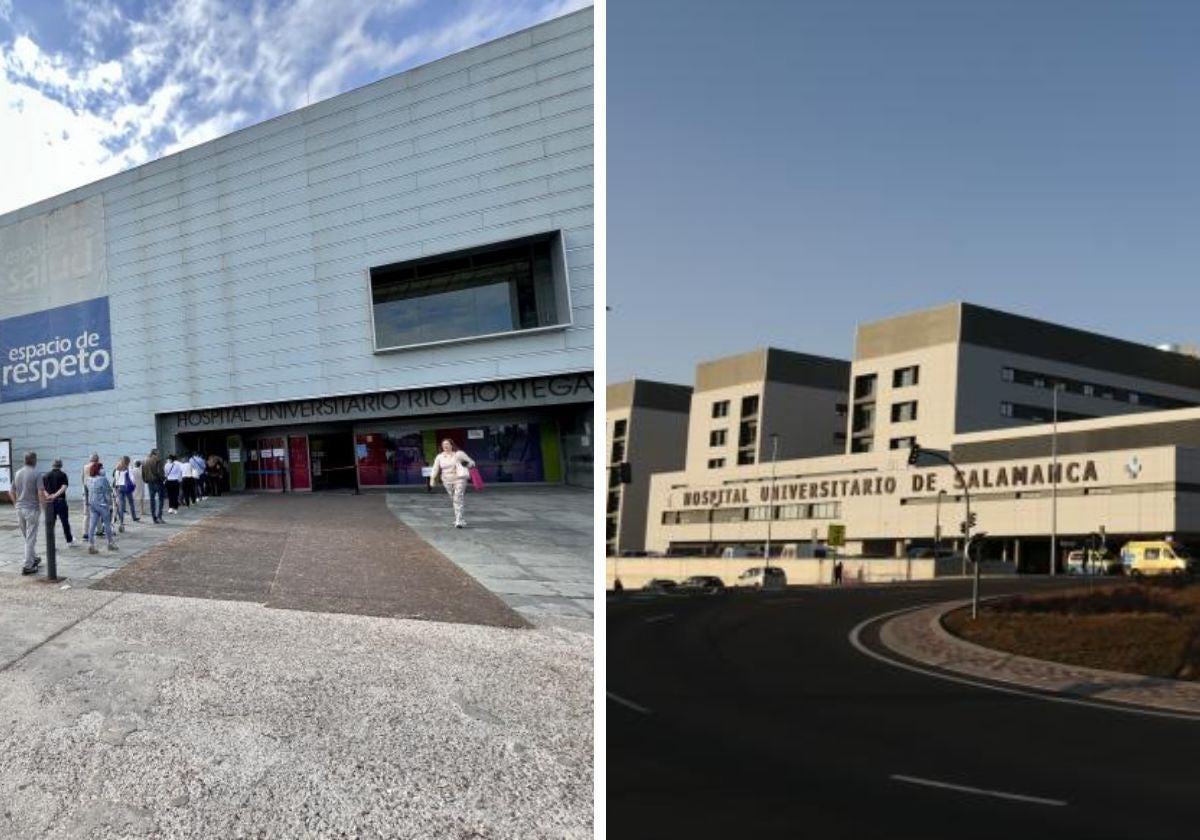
{"points": [[92, 87], [779, 172]]}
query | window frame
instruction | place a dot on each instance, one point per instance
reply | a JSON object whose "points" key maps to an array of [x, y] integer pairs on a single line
{"points": [[560, 276]]}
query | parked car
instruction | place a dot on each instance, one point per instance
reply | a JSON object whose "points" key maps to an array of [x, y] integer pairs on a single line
{"points": [[703, 583], [763, 577], [1097, 562], [660, 585]]}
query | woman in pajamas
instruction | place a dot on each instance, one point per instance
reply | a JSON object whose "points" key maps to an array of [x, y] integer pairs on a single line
{"points": [[454, 467]]}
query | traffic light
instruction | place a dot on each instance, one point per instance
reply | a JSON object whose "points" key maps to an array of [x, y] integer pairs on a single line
{"points": [[968, 523]]}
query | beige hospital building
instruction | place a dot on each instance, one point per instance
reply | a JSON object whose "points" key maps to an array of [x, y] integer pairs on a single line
{"points": [[781, 445]]}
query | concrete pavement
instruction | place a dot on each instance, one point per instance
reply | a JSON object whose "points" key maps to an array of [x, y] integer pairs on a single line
{"points": [[125, 712]]}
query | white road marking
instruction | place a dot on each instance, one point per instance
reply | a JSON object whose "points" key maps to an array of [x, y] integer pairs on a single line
{"points": [[999, 794], [629, 704], [856, 641], [654, 618]]}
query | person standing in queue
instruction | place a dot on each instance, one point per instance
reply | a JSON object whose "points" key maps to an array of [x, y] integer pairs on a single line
{"points": [[100, 508], [155, 477], [124, 486], [189, 482], [453, 467], [55, 484], [28, 496], [85, 482], [174, 472]]}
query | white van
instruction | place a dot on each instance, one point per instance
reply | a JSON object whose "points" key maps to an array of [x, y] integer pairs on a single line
{"points": [[765, 578]]}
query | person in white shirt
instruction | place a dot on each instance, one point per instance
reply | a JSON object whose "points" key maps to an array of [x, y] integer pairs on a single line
{"points": [[453, 467], [189, 482], [174, 473], [139, 485]]}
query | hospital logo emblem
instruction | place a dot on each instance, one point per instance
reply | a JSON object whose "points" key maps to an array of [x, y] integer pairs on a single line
{"points": [[1133, 467]]}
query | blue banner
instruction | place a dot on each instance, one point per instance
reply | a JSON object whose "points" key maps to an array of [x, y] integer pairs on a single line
{"points": [[67, 350]]}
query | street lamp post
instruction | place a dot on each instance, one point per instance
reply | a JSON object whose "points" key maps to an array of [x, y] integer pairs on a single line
{"points": [[771, 498], [1054, 485], [937, 525], [914, 454]]}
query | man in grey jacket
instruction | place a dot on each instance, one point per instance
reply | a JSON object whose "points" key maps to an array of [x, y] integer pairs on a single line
{"points": [[28, 496]]}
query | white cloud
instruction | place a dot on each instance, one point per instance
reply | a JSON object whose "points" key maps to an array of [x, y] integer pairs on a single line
{"points": [[193, 70]]}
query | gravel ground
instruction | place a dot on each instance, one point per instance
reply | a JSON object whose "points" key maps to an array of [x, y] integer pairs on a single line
{"points": [[133, 715]]}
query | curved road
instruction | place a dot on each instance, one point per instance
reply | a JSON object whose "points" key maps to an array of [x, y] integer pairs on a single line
{"points": [[752, 715]]}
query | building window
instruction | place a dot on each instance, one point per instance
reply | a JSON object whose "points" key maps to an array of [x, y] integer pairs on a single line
{"points": [[1133, 398], [904, 412], [717, 437], [745, 456], [619, 428], [750, 406], [727, 515], [902, 443], [840, 409], [1089, 390], [614, 501], [1006, 374], [864, 444], [618, 452], [864, 386], [720, 409], [748, 433], [1006, 409], [510, 287], [905, 377], [716, 463], [762, 514], [864, 418], [610, 529]]}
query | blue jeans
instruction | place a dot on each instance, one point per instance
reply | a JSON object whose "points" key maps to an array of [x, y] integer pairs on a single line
{"points": [[157, 497], [123, 499], [99, 515]]}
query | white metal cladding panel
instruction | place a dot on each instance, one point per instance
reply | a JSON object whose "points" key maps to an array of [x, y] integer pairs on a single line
{"points": [[238, 269]]}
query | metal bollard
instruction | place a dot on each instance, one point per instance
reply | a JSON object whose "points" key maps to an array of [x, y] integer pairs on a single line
{"points": [[51, 559]]}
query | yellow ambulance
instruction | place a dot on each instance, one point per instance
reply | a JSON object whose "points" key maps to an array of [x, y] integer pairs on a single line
{"points": [[1156, 557]]}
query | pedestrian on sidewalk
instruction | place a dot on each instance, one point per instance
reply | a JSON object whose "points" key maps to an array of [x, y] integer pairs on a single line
{"points": [[453, 467], [189, 481], [85, 482], [174, 473], [199, 464], [837, 572], [124, 485], [100, 507], [214, 473], [28, 496], [55, 484], [156, 479], [139, 486]]}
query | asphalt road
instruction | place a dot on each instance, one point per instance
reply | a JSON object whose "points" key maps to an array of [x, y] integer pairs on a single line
{"points": [[752, 715]]}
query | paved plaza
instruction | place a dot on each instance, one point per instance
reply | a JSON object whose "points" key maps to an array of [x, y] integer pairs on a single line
{"points": [[295, 666], [530, 546]]}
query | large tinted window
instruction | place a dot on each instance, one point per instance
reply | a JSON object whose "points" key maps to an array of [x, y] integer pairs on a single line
{"points": [[499, 289]]}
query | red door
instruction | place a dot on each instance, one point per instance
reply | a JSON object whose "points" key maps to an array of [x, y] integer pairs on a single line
{"points": [[298, 455]]}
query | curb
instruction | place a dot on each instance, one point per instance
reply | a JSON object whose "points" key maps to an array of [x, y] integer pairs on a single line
{"points": [[918, 635]]}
